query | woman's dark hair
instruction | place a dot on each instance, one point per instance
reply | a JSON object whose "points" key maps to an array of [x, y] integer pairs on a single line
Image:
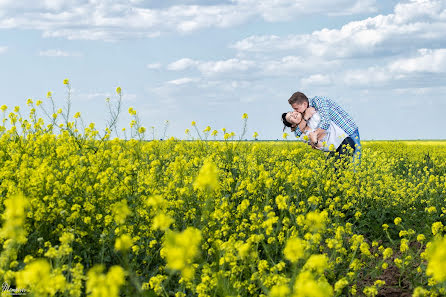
{"points": [[285, 122]]}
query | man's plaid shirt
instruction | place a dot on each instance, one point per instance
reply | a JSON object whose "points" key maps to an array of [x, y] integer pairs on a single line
{"points": [[331, 111]]}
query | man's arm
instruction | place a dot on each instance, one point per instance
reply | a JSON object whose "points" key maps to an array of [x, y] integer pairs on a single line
{"points": [[299, 128], [322, 106]]}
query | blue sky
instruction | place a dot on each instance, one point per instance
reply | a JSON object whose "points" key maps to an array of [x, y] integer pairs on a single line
{"points": [[211, 61]]}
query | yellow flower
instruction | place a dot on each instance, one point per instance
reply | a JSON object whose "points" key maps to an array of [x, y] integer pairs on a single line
{"points": [[370, 291], [388, 252], [316, 220], [340, 285], [66, 81], [404, 245], [4, 107], [132, 111], [245, 116], [156, 283], [279, 291], [397, 221], [317, 263], [123, 243], [162, 222], [37, 275], [180, 249], [141, 130], [385, 227], [421, 238], [244, 250], [307, 286], [294, 249], [120, 211], [193, 123], [99, 284], [285, 135], [207, 178], [48, 95], [436, 256], [420, 292], [281, 202], [437, 228], [14, 217], [77, 115], [118, 90]]}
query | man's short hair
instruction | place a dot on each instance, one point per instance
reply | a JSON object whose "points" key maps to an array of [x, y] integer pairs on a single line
{"points": [[298, 98]]}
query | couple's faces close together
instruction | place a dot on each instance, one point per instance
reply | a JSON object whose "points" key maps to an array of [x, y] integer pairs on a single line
{"points": [[293, 117], [300, 107]]}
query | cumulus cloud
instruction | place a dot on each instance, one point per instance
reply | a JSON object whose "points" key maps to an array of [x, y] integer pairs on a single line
{"points": [[120, 19], [412, 25], [288, 65], [181, 64], [421, 68], [154, 66], [316, 79], [428, 60]]}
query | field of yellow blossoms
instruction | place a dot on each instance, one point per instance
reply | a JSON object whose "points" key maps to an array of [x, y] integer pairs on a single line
{"points": [[88, 215]]}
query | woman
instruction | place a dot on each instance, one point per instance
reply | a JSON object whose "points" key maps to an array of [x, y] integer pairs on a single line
{"points": [[335, 139]]}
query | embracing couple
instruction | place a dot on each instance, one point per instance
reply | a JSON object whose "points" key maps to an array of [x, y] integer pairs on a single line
{"points": [[323, 124]]}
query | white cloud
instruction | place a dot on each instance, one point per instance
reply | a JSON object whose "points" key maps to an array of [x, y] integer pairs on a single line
{"points": [[181, 64], [120, 19], [58, 53], [289, 65], [280, 10], [365, 77], [154, 66], [420, 68], [182, 81], [411, 25], [316, 79], [225, 66], [209, 68], [428, 61], [3, 49]]}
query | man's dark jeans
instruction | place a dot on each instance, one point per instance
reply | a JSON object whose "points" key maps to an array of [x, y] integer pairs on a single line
{"points": [[345, 149]]}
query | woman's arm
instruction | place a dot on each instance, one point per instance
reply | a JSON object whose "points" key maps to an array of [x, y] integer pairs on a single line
{"points": [[314, 138]]}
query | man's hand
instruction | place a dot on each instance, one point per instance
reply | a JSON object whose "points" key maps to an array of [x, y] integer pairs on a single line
{"points": [[309, 113], [313, 139]]}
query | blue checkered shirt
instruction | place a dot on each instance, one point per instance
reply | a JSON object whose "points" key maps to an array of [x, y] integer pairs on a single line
{"points": [[331, 111]]}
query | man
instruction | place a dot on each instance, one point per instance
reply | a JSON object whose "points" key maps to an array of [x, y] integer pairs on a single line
{"points": [[329, 111]]}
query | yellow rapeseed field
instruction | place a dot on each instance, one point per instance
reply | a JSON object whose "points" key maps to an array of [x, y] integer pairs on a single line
{"points": [[87, 215]]}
